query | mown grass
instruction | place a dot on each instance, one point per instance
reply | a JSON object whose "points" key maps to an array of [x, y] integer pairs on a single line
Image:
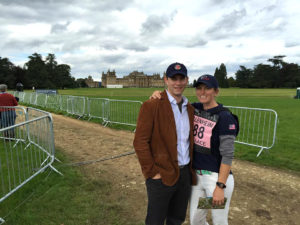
{"points": [[70, 199], [76, 199], [144, 93], [285, 154]]}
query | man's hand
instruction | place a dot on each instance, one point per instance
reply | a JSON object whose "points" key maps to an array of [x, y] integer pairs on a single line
{"points": [[155, 95], [218, 196], [156, 177]]}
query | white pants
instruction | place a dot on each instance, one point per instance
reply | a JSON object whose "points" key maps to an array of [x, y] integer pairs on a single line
{"points": [[205, 187]]}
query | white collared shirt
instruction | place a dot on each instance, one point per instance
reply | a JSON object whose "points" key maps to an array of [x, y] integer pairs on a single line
{"points": [[182, 129]]}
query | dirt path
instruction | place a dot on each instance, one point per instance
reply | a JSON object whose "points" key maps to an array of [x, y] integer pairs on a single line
{"points": [[261, 196]]}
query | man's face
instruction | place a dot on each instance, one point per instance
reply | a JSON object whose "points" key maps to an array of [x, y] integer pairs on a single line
{"points": [[176, 84]]}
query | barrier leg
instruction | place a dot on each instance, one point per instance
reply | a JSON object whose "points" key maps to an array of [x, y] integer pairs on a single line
{"points": [[261, 150], [2, 221]]}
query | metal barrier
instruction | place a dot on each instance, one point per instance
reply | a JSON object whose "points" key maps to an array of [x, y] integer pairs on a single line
{"points": [[123, 111], [20, 95], [53, 102], [97, 108], [76, 105], [109, 110], [33, 98], [257, 127], [41, 99], [27, 97], [26, 147]]}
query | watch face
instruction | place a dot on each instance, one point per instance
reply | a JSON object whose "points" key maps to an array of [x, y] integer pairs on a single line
{"points": [[221, 185]]}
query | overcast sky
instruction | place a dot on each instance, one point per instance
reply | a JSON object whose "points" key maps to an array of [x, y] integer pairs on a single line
{"points": [[148, 35]]}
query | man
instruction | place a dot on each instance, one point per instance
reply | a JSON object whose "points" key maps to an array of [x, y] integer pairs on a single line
{"points": [[163, 143], [8, 115]]}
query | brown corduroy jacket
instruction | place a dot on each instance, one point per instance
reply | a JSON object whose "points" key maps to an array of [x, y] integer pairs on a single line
{"points": [[155, 140]]}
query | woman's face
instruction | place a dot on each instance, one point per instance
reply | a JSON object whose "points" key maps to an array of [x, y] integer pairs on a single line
{"points": [[206, 95]]}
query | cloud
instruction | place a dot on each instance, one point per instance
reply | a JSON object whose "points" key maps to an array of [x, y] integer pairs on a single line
{"points": [[196, 42], [268, 8], [93, 36], [155, 24], [58, 28], [114, 59], [104, 5], [227, 25], [291, 44], [136, 47]]}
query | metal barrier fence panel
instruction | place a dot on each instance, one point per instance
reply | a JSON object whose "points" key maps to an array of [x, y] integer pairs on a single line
{"points": [[41, 99], [53, 101], [64, 103], [33, 98], [76, 105], [123, 111], [21, 96], [257, 126], [96, 108], [18, 94], [27, 97], [26, 147]]}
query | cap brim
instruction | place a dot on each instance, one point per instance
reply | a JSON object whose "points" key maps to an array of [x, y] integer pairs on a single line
{"points": [[203, 82]]}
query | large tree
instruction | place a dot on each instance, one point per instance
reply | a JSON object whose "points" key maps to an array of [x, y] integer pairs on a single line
{"points": [[276, 74], [7, 75], [221, 76], [63, 72], [36, 71], [48, 74], [243, 77]]}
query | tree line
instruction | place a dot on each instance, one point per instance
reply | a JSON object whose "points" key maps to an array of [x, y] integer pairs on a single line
{"points": [[38, 73], [276, 74], [48, 74]]}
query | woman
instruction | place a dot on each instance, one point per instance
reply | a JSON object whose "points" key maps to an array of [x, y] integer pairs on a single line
{"points": [[214, 134]]}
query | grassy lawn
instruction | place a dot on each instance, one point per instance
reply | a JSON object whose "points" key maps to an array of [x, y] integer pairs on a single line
{"points": [[70, 199], [285, 154], [77, 199], [144, 93]]}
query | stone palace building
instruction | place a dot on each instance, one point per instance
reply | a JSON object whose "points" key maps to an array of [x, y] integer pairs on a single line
{"points": [[134, 79]]}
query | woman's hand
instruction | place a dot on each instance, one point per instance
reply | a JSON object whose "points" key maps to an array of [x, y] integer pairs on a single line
{"points": [[218, 196], [155, 95]]}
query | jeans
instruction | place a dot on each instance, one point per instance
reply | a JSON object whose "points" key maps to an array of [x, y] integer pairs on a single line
{"points": [[8, 118], [205, 187]]}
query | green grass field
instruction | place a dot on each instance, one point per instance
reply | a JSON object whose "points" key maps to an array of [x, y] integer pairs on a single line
{"points": [[76, 199], [144, 93], [52, 199], [285, 154]]}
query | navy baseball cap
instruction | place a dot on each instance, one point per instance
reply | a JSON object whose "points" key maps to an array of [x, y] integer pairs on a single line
{"points": [[209, 80], [176, 68]]}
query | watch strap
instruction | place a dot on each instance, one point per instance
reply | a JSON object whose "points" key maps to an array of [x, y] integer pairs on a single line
{"points": [[221, 185]]}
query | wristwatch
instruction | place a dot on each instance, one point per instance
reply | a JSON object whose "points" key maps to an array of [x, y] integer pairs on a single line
{"points": [[221, 185]]}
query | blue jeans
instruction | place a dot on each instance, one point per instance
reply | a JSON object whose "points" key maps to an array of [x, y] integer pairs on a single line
{"points": [[8, 118]]}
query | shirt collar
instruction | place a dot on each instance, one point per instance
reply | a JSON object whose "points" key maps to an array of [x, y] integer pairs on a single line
{"points": [[173, 100]]}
